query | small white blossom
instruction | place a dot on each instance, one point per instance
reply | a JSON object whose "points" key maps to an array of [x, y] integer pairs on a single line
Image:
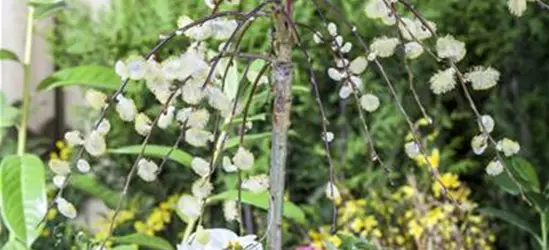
{"points": [[332, 29], [199, 32], [200, 166], [328, 137], [516, 7], [230, 211], [416, 28], [222, 29], [345, 91], [479, 144], [228, 166], [243, 159], [369, 102], [66, 208], [172, 68], [384, 46], [125, 107], [183, 114], [342, 62], [218, 100], [487, 122], [96, 99], [332, 192], [413, 50], [198, 137], [199, 119], [192, 93], [346, 48], [59, 180], [95, 144], [143, 124], [508, 146], [83, 166], [494, 168], [335, 74], [482, 78], [134, 68], [104, 127], [317, 38], [256, 184], [166, 118], [443, 81], [377, 9], [371, 56], [147, 170], [354, 81], [449, 47], [411, 149], [358, 65], [202, 188], [189, 206], [74, 138]]}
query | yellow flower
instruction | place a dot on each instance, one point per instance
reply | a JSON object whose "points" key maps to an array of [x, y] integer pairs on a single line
{"points": [[449, 180], [335, 240], [370, 222], [434, 159], [51, 214], [377, 233], [140, 227], [415, 229], [357, 225]]}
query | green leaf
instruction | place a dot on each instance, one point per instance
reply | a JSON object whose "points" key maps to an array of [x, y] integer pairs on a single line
{"points": [[8, 55], [8, 114], [157, 151], [125, 247], [260, 200], [510, 218], [23, 195], [43, 10], [144, 240], [14, 245], [525, 172], [89, 76], [506, 183], [90, 185], [235, 141]]}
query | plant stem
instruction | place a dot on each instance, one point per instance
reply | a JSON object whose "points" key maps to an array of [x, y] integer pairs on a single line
{"points": [[282, 78], [188, 230], [543, 222], [22, 136]]}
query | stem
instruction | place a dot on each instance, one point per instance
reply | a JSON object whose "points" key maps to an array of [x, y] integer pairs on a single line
{"points": [[543, 230], [282, 78], [22, 136], [188, 230]]}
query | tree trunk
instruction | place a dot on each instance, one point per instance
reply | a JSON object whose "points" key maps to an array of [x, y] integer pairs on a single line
{"points": [[282, 78]]}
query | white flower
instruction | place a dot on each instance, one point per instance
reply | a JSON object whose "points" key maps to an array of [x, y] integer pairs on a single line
{"points": [[369, 102], [83, 166], [256, 184], [516, 7], [200, 166], [243, 159], [193, 65], [74, 138], [183, 114], [202, 188], [335, 74], [66, 208], [198, 32], [411, 149], [125, 107], [220, 238], [479, 144], [96, 99], [482, 78], [189, 206], [449, 47], [345, 91], [143, 124], [508, 147], [166, 118], [377, 9], [383, 46], [134, 68], [95, 144], [230, 210], [222, 29], [192, 93], [487, 122], [228, 166], [413, 50], [198, 137], [354, 81], [328, 137], [59, 180], [332, 192], [494, 168], [199, 119], [417, 29], [172, 68], [218, 100], [317, 38], [104, 127], [147, 170], [358, 65], [332, 29], [346, 48], [443, 81]]}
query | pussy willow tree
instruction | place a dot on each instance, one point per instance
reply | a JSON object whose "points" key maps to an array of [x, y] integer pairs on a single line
{"points": [[200, 91]]}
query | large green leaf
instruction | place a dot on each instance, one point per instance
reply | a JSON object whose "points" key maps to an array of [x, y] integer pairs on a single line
{"points": [[125, 247], [261, 200], [23, 195], [144, 240], [510, 218], [525, 172], [235, 141], [89, 76], [90, 185], [157, 151], [14, 245], [8, 55]]}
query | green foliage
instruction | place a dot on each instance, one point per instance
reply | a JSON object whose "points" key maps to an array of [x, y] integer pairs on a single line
{"points": [[90, 185], [8, 55], [157, 151], [92, 76], [145, 241]]}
